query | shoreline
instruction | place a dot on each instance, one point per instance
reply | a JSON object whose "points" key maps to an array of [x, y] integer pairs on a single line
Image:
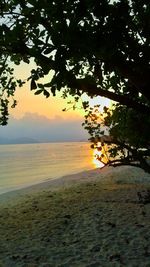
{"points": [[108, 175], [50, 184], [89, 219]]}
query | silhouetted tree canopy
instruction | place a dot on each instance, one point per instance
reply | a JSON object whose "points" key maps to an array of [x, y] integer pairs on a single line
{"points": [[98, 47]]}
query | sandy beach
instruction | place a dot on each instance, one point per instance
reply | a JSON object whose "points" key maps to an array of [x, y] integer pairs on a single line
{"points": [[91, 219]]}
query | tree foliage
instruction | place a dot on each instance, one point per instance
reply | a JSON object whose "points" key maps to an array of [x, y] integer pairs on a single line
{"points": [[94, 47], [120, 135]]}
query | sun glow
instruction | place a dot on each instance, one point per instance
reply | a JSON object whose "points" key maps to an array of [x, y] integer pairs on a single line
{"points": [[96, 161], [100, 157], [97, 156]]}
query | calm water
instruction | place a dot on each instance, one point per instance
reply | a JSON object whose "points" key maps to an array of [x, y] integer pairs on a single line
{"points": [[23, 165]]}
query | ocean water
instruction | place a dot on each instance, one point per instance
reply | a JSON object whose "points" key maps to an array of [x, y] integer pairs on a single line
{"points": [[27, 164]]}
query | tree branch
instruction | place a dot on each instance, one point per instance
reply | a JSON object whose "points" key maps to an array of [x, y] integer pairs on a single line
{"points": [[139, 80], [92, 90]]}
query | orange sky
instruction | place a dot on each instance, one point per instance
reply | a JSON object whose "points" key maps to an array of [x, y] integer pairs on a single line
{"points": [[50, 107]]}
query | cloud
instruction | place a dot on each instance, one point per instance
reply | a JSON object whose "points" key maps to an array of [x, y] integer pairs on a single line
{"points": [[43, 129]]}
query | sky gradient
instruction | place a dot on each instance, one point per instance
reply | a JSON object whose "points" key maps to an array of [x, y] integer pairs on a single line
{"points": [[41, 118]]}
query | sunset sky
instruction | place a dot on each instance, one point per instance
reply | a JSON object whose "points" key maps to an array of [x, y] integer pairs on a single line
{"points": [[43, 119], [50, 107]]}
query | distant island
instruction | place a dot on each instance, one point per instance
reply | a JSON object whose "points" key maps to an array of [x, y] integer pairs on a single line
{"points": [[21, 140], [29, 140]]}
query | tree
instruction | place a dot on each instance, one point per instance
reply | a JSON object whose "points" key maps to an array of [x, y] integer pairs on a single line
{"points": [[98, 47], [120, 136]]}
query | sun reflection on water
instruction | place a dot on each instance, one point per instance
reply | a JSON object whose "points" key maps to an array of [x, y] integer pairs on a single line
{"points": [[96, 161], [97, 156], [100, 155]]}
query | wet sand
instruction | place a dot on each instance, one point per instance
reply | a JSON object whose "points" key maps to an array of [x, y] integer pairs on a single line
{"points": [[94, 218]]}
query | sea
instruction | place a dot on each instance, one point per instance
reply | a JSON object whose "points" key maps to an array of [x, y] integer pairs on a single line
{"points": [[23, 165]]}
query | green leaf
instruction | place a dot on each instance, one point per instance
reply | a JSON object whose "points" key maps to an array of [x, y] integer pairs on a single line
{"points": [[53, 90], [99, 149], [48, 51], [47, 85], [85, 104], [38, 92], [33, 84], [46, 93], [105, 109], [40, 85]]}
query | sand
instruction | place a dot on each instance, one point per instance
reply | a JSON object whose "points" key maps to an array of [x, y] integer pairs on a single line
{"points": [[94, 218]]}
